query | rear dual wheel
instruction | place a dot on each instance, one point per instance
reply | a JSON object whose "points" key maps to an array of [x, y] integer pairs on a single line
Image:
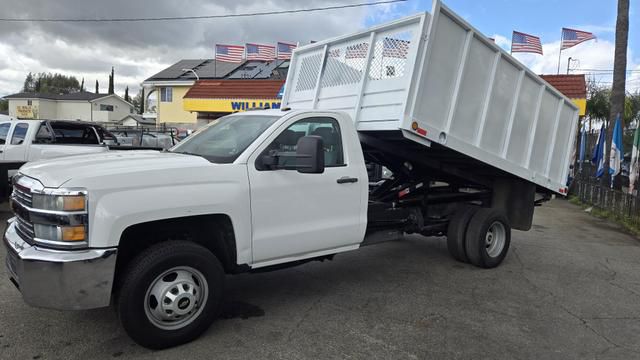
{"points": [[480, 236]]}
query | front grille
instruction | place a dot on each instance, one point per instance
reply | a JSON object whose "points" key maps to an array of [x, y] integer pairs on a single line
{"points": [[23, 195], [25, 229]]}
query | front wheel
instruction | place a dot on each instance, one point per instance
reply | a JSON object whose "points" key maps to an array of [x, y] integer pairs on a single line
{"points": [[488, 238], [171, 293]]}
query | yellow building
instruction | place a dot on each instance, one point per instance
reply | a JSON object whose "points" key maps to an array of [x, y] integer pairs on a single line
{"points": [[572, 86], [164, 91]]}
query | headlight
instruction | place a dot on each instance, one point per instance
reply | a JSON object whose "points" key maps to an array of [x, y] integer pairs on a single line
{"points": [[59, 202], [60, 233]]}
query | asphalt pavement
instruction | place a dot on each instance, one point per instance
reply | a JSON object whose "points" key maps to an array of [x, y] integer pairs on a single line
{"points": [[568, 289]]}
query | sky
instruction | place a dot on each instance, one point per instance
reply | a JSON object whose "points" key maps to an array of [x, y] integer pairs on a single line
{"points": [[139, 50]]}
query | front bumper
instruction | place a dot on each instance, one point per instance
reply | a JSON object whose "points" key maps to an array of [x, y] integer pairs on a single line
{"points": [[64, 280]]}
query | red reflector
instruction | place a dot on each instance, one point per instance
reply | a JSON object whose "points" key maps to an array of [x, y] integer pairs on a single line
{"points": [[404, 192], [421, 131]]}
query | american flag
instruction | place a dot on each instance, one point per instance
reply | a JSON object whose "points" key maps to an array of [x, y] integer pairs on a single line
{"points": [[521, 42], [395, 48], [572, 37], [261, 52], [229, 53], [356, 51], [334, 53], [285, 50]]}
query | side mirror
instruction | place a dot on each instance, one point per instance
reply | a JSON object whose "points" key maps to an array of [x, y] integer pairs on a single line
{"points": [[310, 155]]}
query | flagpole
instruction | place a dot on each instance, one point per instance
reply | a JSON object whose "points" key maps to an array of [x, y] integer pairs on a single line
{"points": [[560, 51], [215, 62], [511, 48]]}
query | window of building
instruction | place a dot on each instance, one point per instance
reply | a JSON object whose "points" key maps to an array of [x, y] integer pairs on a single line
{"points": [[105, 107], [19, 133], [166, 94], [29, 102], [4, 131]]}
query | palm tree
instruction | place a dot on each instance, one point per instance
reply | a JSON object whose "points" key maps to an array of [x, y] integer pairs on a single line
{"points": [[619, 77]]}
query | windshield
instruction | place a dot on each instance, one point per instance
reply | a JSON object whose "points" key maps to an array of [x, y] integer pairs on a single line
{"points": [[225, 139]]}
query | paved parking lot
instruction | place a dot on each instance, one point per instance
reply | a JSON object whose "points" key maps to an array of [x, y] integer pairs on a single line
{"points": [[569, 289]]}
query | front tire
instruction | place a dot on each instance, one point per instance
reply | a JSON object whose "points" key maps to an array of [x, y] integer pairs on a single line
{"points": [[171, 293], [488, 238]]}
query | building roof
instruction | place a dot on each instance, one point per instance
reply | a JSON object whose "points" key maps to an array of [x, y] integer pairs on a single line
{"points": [[276, 69], [78, 96], [139, 119], [233, 89], [205, 68], [572, 86]]}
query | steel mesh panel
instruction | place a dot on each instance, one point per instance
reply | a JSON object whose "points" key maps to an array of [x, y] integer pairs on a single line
{"points": [[342, 67], [390, 56], [308, 75]]}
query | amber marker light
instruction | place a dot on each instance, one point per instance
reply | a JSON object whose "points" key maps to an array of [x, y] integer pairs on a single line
{"points": [[73, 233]]}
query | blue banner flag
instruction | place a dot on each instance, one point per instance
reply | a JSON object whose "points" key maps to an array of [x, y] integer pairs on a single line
{"points": [[615, 159], [598, 153], [583, 145]]}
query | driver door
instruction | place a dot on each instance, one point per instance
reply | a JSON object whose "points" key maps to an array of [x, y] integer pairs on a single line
{"points": [[296, 215]]}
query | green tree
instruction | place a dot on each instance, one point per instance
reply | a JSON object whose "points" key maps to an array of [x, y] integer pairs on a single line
{"points": [[4, 105], [49, 83], [29, 83], [82, 85], [126, 94], [111, 81], [97, 87], [138, 101]]}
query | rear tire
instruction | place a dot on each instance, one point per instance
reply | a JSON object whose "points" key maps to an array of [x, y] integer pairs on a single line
{"points": [[171, 293], [457, 231], [488, 238]]}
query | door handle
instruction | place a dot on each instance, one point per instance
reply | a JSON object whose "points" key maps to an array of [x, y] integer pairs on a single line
{"points": [[346, 180]]}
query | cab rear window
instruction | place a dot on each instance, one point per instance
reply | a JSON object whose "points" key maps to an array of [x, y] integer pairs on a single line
{"points": [[66, 133]]}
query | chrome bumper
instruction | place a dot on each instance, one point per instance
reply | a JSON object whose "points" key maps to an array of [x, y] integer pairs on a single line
{"points": [[64, 280]]}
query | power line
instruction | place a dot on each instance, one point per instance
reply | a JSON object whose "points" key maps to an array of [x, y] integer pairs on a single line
{"points": [[602, 70], [174, 18]]}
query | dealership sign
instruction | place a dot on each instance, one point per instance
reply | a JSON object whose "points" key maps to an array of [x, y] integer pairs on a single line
{"points": [[229, 105]]}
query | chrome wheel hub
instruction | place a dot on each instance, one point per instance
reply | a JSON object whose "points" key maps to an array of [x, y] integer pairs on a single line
{"points": [[176, 298], [495, 239]]}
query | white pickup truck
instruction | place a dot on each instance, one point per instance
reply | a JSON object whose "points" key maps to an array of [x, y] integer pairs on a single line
{"points": [[31, 140], [468, 138]]}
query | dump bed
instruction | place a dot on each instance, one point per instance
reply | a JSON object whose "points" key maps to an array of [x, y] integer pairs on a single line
{"points": [[435, 78]]}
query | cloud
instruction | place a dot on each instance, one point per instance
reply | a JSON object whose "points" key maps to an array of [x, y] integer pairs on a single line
{"points": [[138, 50], [586, 57]]}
